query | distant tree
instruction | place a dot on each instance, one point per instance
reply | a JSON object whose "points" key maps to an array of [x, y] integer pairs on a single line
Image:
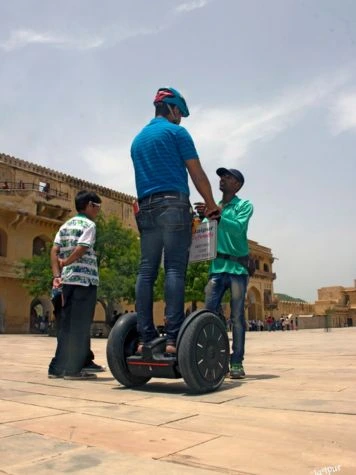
{"points": [[118, 251], [288, 298], [196, 280], [37, 273], [328, 318]]}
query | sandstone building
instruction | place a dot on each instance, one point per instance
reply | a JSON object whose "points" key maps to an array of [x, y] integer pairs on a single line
{"points": [[339, 303], [35, 201]]}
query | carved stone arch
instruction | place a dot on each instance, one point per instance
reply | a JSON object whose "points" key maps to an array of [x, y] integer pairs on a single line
{"points": [[100, 311], [2, 314], [254, 304], [3, 243], [39, 244], [39, 307]]}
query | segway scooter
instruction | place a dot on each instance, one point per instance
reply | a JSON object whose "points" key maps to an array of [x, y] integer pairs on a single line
{"points": [[202, 357]]}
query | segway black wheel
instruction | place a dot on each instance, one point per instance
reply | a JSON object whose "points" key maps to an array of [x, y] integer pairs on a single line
{"points": [[122, 343], [203, 354]]}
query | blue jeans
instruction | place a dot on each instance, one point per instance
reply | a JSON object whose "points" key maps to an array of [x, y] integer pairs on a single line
{"points": [[214, 292], [165, 223]]}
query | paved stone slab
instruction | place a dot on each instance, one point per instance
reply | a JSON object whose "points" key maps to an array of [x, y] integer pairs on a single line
{"points": [[123, 436], [137, 414], [255, 456], [98, 408], [26, 447], [84, 390], [294, 413], [256, 424], [6, 431], [91, 461], [13, 411], [298, 404]]}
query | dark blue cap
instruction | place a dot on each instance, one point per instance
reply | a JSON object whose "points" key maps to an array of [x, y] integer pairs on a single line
{"points": [[232, 171]]}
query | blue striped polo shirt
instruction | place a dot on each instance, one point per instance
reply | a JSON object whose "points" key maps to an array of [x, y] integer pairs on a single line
{"points": [[159, 153]]}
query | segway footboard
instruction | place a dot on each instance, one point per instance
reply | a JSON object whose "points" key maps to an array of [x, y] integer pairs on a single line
{"points": [[154, 362]]}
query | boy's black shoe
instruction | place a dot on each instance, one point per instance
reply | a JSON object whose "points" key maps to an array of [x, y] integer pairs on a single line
{"points": [[55, 376], [82, 376], [94, 368]]}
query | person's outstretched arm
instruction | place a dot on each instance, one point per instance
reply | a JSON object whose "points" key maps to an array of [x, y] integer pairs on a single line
{"points": [[202, 184]]}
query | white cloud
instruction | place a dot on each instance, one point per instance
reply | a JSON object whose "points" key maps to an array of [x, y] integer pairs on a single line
{"points": [[228, 132], [224, 133], [112, 167], [190, 6], [343, 113], [21, 38], [121, 34]]}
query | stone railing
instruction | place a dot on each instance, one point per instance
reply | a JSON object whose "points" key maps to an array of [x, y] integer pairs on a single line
{"points": [[44, 191]]}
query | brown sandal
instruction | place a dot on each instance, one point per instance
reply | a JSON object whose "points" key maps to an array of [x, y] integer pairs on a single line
{"points": [[171, 349]]}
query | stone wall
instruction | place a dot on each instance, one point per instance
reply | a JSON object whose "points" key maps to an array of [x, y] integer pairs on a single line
{"points": [[35, 201]]}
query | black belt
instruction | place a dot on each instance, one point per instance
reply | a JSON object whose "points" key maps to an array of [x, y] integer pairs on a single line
{"points": [[241, 260], [165, 195]]}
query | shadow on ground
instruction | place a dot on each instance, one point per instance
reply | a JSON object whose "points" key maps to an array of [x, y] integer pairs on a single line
{"points": [[179, 387]]}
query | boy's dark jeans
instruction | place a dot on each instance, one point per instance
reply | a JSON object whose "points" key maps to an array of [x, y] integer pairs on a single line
{"points": [[58, 315], [74, 332]]}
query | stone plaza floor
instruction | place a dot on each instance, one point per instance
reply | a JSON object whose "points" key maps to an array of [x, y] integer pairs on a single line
{"points": [[295, 413]]}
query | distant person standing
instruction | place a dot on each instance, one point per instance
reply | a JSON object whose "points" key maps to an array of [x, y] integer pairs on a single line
{"points": [[75, 269], [229, 270], [163, 154]]}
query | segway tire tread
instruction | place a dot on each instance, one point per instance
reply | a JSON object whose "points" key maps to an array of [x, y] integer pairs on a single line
{"points": [[122, 343], [203, 355]]}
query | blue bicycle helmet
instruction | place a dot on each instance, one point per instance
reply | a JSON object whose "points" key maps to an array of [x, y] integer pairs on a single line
{"points": [[172, 96]]}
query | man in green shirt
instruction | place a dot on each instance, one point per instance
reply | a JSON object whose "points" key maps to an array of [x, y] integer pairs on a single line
{"points": [[227, 271]]}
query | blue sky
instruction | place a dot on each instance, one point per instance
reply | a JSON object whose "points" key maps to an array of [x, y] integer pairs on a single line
{"points": [[271, 86]]}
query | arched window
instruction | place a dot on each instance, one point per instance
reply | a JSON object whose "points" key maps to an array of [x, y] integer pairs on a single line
{"points": [[3, 243], [39, 245], [265, 268]]}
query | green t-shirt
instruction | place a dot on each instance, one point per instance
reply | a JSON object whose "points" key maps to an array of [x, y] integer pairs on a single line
{"points": [[232, 236]]}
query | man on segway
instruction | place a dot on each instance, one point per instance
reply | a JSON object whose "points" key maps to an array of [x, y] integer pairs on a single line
{"points": [[162, 153], [195, 348]]}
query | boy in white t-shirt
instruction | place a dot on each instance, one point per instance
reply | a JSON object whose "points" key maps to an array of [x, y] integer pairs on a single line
{"points": [[75, 270]]}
